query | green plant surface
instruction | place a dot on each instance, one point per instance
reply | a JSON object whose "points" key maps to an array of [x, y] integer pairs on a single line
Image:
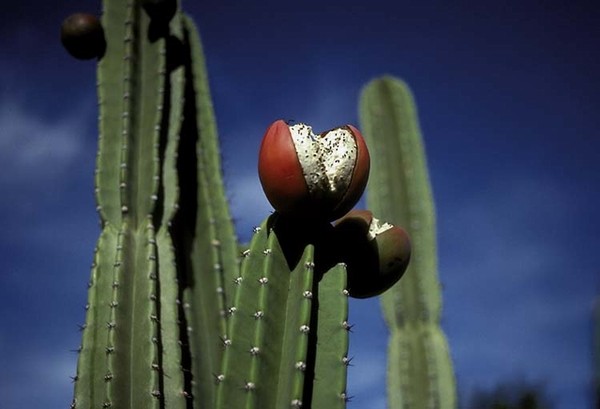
{"points": [[175, 392], [420, 373], [121, 361], [205, 238], [92, 363], [287, 341], [209, 162], [268, 328], [329, 385]]}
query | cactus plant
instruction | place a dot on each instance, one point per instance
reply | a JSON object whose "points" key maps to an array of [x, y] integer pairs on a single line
{"points": [[420, 373], [177, 317]]}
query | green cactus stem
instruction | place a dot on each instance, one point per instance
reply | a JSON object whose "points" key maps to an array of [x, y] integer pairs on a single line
{"points": [[205, 240], [269, 327], [287, 326], [329, 386], [133, 352], [420, 373]]}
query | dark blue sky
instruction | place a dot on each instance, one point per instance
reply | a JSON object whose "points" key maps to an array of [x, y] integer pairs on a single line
{"points": [[508, 98]]}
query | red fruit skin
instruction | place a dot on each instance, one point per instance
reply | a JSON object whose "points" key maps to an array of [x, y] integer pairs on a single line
{"points": [[283, 181], [280, 172], [374, 265]]}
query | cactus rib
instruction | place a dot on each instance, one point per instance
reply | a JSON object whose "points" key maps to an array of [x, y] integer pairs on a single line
{"points": [[209, 162], [329, 386], [92, 365]]}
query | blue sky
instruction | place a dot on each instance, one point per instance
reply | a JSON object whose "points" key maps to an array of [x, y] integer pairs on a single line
{"points": [[508, 98]]}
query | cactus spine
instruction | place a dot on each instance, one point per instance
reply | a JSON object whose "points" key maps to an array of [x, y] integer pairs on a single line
{"points": [[420, 373]]}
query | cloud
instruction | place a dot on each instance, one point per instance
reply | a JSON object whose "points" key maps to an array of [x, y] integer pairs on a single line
{"points": [[36, 150], [40, 380]]}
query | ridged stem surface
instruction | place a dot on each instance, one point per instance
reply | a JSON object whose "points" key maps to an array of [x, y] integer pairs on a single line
{"points": [[329, 386], [265, 352], [131, 355], [420, 371]]}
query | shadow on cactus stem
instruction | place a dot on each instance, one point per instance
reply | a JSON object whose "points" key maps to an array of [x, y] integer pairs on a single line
{"points": [[376, 253], [295, 234], [160, 12]]}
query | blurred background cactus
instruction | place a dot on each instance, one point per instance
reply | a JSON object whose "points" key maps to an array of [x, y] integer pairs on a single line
{"points": [[420, 373]]}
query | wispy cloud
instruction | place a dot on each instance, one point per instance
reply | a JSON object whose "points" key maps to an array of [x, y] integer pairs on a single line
{"points": [[34, 149], [40, 380]]}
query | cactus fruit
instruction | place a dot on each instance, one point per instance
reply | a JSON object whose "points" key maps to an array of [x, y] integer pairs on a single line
{"points": [[313, 176], [82, 36], [376, 253]]}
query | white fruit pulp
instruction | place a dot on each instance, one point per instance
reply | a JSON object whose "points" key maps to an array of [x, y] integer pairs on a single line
{"points": [[327, 160], [376, 228]]}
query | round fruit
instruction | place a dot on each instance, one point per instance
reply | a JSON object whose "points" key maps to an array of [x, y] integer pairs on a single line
{"points": [[83, 36], [376, 254], [313, 176]]}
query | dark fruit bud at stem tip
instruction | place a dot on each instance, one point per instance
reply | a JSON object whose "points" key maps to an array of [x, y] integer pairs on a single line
{"points": [[376, 253], [82, 36]]}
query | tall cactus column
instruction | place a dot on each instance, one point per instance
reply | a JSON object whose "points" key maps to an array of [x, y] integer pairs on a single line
{"points": [[145, 295], [420, 373], [207, 245], [124, 306]]}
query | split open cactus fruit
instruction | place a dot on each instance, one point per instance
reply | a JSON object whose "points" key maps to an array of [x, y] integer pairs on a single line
{"points": [[376, 253], [316, 176]]}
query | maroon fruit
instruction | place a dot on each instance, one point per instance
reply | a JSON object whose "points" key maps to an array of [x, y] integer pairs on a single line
{"points": [[82, 36], [376, 253], [313, 176]]}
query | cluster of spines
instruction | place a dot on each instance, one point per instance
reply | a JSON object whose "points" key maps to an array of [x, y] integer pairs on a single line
{"points": [[419, 367]]}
